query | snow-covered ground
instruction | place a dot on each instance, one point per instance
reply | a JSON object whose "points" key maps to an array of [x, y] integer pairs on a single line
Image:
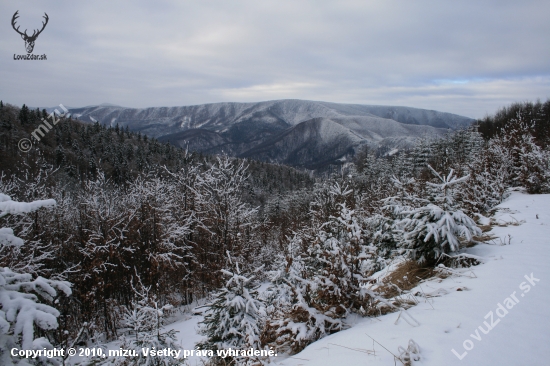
{"points": [[187, 336], [467, 306]]}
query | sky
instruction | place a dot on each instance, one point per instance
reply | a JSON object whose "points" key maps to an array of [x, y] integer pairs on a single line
{"points": [[469, 57]]}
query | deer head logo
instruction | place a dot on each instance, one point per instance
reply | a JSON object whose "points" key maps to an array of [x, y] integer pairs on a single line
{"points": [[29, 40]]}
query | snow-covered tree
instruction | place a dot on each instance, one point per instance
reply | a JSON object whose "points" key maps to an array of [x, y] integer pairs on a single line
{"points": [[436, 228], [292, 323], [22, 297], [490, 173], [234, 318], [421, 153], [226, 222], [339, 261], [381, 226], [531, 164], [524, 155], [144, 320], [321, 275]]}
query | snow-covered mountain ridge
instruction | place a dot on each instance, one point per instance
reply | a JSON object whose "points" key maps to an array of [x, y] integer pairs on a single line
{"points": [[295, 132]]}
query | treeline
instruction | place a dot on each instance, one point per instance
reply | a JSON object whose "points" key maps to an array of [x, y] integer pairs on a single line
{"points": [[535, 116], [79, 150]]}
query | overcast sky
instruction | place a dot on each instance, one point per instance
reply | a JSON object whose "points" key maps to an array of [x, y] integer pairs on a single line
{"points": [[465, 57]]}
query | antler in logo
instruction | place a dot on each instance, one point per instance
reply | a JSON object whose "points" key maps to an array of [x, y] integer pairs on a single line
{"points": [[29, 40]]}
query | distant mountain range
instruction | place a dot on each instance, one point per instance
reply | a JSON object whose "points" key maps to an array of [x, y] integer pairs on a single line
{"points": [[295, 132]]}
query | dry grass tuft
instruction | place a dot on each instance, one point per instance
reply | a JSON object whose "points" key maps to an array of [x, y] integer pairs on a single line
{"points": [[478, 239], [485, 228], [406, 276], [483, 237], [460, 261]]}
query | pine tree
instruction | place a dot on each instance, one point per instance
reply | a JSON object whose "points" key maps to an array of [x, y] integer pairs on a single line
{"points": [[324, 270], [531, 167], [292, 322], [490, 175]]}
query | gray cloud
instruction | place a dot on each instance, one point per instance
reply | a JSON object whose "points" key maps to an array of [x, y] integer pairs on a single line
{"points": [[467, 57]]}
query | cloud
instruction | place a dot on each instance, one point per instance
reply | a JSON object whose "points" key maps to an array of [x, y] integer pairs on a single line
{"points": [[468, 57]]}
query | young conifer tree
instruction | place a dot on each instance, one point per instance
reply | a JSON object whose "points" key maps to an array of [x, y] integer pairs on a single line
{"points": [[22, 297], [233, 320], [144, 320], [436, 228], [322, 274]]}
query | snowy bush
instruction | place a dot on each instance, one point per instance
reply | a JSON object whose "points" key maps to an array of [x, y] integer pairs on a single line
{"points": [[292, 322], [383, 226], [490, 174], [531, 163]]}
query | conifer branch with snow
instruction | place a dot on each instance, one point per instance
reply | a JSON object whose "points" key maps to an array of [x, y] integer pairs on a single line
{"points": [[20, 308]]}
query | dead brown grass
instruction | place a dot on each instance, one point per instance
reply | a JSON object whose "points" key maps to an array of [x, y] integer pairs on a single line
{"points": [[393, 288], [485, 228], [406, 276], [480, 238]]}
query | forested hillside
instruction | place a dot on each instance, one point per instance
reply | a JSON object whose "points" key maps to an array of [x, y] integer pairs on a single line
{"points": [[300, 133], [77, 151], [138, 228]]}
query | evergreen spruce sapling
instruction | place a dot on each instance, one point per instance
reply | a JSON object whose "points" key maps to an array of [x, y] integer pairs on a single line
{"points": [[385, 232], [490, 173], [436, 228], [291, 323], [322, 276], [295, 320], [340, 261], [21, 310], [234, 318]]}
